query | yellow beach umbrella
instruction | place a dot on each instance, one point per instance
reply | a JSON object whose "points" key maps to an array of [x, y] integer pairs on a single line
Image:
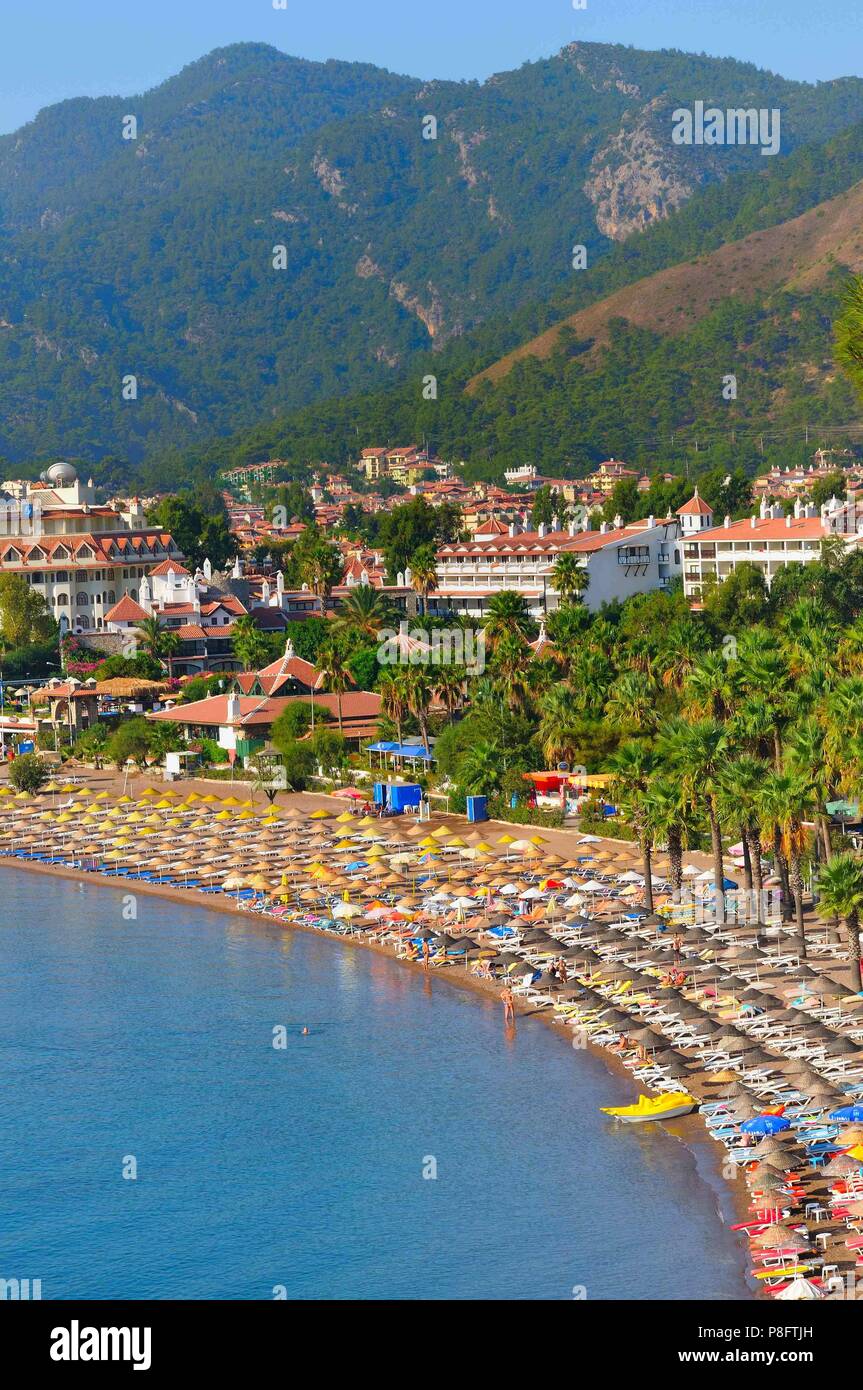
{"points": [[320, 814], [506, 840]]}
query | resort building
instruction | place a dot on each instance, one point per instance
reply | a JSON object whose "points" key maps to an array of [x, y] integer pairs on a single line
{"points": [[201, 615], [619, 560], [769, 540], [241, 724], [80, 556]]}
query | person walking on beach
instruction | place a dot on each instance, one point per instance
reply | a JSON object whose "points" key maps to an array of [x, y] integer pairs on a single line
{"points": [[508, 1005], [426, 955]]}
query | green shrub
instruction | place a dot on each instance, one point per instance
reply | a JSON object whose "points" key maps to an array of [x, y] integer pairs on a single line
{"points": [[29, 773]]}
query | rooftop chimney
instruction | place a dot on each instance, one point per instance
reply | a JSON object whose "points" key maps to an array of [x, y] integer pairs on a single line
{"points": [[752, 521], [727, 522]]}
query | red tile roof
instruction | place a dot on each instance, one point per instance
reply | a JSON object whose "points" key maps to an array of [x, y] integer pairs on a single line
{"points": [[766, 528], [696, 506], [168, 565], [126, 611]]}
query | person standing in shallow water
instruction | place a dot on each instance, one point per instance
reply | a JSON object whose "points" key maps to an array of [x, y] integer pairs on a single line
{"points": [[426, 955], [508, 1005]]}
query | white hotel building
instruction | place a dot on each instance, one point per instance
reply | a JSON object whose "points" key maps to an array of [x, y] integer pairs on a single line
{"points": [[770, 541], [620, 561], [81, 557]]}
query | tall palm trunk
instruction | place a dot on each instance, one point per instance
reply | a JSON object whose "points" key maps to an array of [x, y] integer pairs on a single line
{"points": [[753, 840], [797, 890], [339, 709], [718, 869], [824, 832], [747, 860], [852, 932], [647, 869], [782, 870], [675, 857]]}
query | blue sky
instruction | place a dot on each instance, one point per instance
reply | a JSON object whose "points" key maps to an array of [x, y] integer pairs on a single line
{"points": [[51, 49]]}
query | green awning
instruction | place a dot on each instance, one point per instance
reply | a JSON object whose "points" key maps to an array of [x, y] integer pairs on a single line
{"points": [[851, 809]]}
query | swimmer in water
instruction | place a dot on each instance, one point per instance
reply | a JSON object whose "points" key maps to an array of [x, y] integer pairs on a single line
{"points": [[305, 1032]]}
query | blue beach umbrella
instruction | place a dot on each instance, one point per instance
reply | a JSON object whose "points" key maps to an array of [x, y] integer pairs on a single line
{"points": [[848, 1112], [766, 1124]]}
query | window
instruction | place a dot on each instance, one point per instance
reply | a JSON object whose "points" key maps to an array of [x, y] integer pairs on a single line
{"points": [[82, 600], [61, 599]]}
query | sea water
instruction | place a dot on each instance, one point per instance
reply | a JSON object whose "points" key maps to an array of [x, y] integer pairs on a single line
{"points": [[167, 1131]]}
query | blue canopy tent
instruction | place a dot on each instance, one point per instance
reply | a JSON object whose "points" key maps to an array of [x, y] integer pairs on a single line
{"points": [[401, 751]]}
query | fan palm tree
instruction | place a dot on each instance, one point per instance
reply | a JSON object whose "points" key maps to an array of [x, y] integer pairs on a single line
{"points": [[394, 699], [632, 768], [511, 669], [569, 578], [157, 641], [807, 759], [418, 688], [249, 643], [448, 686], [508, 612], [711, 689], [631, 703], [334, 674], [840, 894], [423, 568], [560, 733], [737, 794], [698, 753], [364, 610], [784, 803], [671, 823]]}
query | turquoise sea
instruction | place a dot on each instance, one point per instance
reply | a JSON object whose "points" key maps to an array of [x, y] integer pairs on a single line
{"points": [[146, 1044]]}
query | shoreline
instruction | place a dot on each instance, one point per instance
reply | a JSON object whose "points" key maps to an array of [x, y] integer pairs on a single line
{"points": [[732, 1199]]}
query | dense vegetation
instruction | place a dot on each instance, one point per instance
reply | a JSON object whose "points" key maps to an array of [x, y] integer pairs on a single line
{"points": [[152, 257]]}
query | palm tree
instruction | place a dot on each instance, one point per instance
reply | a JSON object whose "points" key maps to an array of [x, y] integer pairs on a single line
{"points": [[699, 752], [737, 802], [249, 644], [508, 612], [418, 688], [569, 577], [560, 730], [423, 569], [632, 702], [157, 641], [448, 686], [334, 674], [711, 689], [784, 804], [807, 759], [512, 670], [632, 768], [764, 677], [318, 569], [480, 768], [394, 699], [672, 823], [364, 610], [840, 894]]}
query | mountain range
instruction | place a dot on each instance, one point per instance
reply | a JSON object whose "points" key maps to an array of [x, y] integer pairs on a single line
{"points": [[153, 257]]}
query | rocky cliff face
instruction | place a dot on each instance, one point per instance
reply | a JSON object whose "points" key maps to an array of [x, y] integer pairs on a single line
{"points": [[637, 177]]}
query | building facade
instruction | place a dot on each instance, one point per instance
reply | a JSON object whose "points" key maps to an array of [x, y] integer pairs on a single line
{"points": [[81, 557], [619, 560]]}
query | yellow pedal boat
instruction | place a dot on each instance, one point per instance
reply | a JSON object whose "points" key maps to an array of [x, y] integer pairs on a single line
{"points": [[666, 1107]]}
